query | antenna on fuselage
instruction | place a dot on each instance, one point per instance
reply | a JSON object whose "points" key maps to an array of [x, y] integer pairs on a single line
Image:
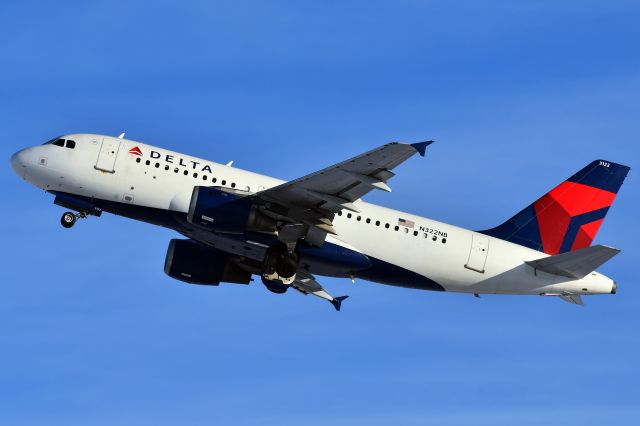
{"points": [[121, 136], [230, 163]]}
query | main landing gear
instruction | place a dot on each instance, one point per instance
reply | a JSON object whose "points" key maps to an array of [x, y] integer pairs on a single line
{"points": [[69, 219]]}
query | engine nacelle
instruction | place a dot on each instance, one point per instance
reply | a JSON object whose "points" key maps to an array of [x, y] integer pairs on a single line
{"points": [[194, 263], [275, 286], [225, 210]]}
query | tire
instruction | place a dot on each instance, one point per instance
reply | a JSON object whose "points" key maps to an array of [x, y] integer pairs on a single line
{"points": [[287, 266], [68, 220]]}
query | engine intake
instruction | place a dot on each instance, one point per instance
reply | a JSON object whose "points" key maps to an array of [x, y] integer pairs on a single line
{"points": [[195, 263]]}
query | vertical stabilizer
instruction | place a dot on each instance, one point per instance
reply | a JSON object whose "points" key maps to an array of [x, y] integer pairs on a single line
{"points": [[568, 217]]}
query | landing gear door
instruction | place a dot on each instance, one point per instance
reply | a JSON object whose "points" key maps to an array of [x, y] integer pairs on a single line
{"points": [[107, 156], [478, 253]]}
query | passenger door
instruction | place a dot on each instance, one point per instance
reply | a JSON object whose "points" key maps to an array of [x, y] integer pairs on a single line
{"points": [[107, 156], [478, 253]]}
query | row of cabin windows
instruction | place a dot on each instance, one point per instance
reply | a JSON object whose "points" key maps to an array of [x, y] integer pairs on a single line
{"points": [[396, 228], [186, 172]]}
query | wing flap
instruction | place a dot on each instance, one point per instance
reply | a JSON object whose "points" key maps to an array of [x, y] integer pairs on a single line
{"points": [[348, 180], [575, 264]]}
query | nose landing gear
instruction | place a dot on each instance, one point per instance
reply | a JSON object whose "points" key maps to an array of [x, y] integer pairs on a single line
{"points": [[69, 219]]}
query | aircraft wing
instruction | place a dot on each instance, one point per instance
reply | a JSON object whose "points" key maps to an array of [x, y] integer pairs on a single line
{"points": [[310, 203]]}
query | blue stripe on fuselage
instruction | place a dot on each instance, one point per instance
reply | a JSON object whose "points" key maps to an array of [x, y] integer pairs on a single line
{"points": [[377, 271]]}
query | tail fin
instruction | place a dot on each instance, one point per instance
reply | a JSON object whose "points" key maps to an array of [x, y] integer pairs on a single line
{"points": [[568, 217]]}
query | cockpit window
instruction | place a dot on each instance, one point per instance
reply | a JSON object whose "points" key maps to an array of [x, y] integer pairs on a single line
{"points": [[49, 142], [61, 142]]}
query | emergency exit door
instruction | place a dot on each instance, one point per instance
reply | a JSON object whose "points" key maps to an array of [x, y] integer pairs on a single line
{"points": [[478, 253], [108, 153]]}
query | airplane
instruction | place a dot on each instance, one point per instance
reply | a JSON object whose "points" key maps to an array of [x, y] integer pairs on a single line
{"points": [[236, 224]]}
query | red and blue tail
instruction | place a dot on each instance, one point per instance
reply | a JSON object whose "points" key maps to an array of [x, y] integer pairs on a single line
{"points": [[568, 217]]}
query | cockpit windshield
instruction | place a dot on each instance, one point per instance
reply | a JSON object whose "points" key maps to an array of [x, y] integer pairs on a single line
{"points": [[61, 142], [50, 142]]}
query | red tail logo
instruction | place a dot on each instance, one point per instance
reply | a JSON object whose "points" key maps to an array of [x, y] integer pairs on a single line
{"points": [[135, 151]]}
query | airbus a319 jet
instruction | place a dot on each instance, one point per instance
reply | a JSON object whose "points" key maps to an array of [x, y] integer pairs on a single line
{"points": [[237, 224]]}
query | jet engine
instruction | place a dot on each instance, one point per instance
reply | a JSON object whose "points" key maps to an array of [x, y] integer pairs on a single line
{"points": [[195, 263], [275, 286], [227, 210]]}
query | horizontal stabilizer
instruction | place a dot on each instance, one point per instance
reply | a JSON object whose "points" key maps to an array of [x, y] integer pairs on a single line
{"points": [[575, 264], [572, 298]]}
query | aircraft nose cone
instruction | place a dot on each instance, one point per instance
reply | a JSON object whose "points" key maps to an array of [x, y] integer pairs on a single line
{"points": [[19, 162]]}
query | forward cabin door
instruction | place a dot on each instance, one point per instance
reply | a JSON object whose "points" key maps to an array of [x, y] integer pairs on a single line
{"points": [[108, 153], [478, 253]]}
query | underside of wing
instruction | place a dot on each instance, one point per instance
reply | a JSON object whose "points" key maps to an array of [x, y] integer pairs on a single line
{"points": [[263, 229]]}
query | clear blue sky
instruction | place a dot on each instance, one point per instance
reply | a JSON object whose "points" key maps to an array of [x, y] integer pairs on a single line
{"points": [[518, 96]]}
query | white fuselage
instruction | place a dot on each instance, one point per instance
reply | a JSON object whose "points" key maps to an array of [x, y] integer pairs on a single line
{"points": [[458, 259]]}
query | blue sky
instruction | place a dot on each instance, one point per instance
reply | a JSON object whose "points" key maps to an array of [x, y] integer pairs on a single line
{"points": [[518, 96]]}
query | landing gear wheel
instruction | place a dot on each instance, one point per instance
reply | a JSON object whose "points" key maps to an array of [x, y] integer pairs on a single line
{"points": [[287, 266], [68, 219]]}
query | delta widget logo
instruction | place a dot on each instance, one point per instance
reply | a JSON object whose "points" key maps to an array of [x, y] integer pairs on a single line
{"points": [[135, 151]]}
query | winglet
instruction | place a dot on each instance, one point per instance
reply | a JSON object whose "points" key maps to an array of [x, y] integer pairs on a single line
{"points": [[421, 147], [337, 302]]}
